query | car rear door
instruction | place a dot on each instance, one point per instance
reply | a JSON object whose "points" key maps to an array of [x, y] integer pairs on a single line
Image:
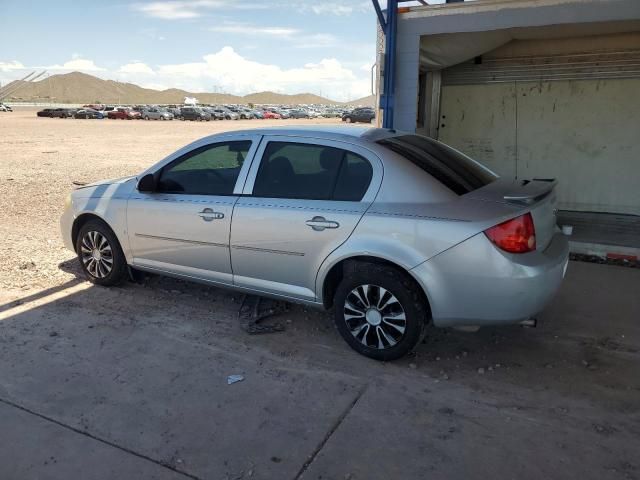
{"points": [[183, 227], [302, 200]]}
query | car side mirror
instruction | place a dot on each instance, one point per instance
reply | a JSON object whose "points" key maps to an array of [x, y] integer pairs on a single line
{"points": [[147, 184]]}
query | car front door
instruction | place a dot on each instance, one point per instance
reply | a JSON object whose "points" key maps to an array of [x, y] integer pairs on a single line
{"points": [[183, 226], [301, 201]]}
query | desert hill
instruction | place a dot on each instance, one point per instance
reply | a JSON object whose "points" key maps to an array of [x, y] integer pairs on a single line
{"points": [[81, 88], [368, 101]]}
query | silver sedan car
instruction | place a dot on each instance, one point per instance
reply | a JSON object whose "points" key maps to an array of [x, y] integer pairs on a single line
{"points": [[154, 113], [393, 231]]}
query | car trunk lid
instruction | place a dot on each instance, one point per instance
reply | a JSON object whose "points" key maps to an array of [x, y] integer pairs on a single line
{"points": [[536, 196]]}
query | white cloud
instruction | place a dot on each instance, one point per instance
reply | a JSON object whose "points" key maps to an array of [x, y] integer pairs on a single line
{"points": [[10, 66], [168, 10], [184, 9], [343, 8], [333, 8], [77, 64], [136, 67], [235, 74], [253, 30]]}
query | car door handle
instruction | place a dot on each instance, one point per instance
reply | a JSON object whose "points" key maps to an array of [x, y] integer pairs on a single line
{"points": [[208, 214], [320, 223]]}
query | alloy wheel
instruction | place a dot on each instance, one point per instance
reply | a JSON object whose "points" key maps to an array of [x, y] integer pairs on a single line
{"points": [[374, 316], [96, 254]]}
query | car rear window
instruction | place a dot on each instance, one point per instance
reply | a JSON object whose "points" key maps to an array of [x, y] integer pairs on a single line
{"points": [[453, 169]]}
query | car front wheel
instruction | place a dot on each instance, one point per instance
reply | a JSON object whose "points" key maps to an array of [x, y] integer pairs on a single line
{"points": [[100, 254], [380, 312]]}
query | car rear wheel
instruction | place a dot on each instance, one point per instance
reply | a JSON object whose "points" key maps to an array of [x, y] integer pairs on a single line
{"points": [[380, 312], [100, 254]]}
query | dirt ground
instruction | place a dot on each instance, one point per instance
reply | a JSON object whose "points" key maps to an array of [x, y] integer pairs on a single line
{"points": [[130, 382]]}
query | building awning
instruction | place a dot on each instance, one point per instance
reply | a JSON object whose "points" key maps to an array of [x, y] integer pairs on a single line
{"points": [[444, 50]]}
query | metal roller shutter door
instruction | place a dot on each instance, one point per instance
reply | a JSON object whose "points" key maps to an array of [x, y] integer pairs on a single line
{"points": [[573, 117]]}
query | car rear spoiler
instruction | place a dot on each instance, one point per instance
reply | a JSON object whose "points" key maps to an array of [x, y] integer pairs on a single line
{"points": [[532, 190]]}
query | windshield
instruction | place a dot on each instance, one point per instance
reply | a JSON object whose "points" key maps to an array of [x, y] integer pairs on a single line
{"points": [[453, 169]]}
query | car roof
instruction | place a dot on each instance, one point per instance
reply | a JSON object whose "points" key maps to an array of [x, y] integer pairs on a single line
{"points": [[353, 134]]}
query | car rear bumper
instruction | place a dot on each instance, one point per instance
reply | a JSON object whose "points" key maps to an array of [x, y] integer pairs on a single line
{"points": [[476, 284]]}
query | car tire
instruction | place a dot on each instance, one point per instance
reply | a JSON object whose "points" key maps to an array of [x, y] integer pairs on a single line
{"points": [[146, 118], [348, 120], [107, 267], [385, 333]]}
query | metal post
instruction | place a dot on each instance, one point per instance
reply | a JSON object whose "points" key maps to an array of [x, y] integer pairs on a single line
{"points": [[387, 100]]}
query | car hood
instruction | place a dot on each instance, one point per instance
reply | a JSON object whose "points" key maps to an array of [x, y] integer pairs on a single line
{"points": [[99, 189]]}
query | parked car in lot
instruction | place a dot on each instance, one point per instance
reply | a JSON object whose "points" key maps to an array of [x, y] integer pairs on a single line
{"points": [[271, 115], [332, 113], [237, 110], [106, 109], [307, 215], [194, 113], [226, 113], [47, 112], [215, 115], [5, 108], [284, 114], [175, 111], [63, 112], [154, 113], [88, 113], [246, 114], [124, 113], [362, 115], [298, 114]]}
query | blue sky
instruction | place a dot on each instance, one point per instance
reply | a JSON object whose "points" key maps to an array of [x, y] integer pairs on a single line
{"points": [[229, 46]]}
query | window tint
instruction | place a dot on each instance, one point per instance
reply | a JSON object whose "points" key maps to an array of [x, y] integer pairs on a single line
{"points": [[454, 170], [209, 170], [312, 172], [354, 178]]}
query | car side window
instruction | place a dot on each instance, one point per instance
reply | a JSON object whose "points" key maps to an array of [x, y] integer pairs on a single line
{"points": [[311, 172], [209, 170], [354, 178]]}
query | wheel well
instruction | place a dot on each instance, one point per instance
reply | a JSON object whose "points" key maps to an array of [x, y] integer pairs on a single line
{"points": [[338, 271], [78, 223]]}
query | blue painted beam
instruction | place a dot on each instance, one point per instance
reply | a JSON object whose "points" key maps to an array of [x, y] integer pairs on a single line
{"points": [[387, 97], [383, 22]]}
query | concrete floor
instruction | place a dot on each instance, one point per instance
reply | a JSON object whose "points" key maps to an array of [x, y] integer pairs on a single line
{"points": [[130, 383]]}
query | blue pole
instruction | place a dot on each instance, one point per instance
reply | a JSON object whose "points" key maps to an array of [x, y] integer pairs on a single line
{"points": [[387, 99]]}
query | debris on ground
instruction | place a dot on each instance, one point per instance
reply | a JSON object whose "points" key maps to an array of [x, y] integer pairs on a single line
{"points": [[231, 379], [254, 309]]}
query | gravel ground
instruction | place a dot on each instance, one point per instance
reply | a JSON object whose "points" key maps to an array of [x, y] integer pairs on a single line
{"points": [[42, 156]]}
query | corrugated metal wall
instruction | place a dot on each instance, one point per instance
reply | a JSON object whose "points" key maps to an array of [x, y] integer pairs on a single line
{"points": [[623, 64]]}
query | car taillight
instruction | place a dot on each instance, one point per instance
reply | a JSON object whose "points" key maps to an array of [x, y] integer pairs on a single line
{"points": [[517, 235]]}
